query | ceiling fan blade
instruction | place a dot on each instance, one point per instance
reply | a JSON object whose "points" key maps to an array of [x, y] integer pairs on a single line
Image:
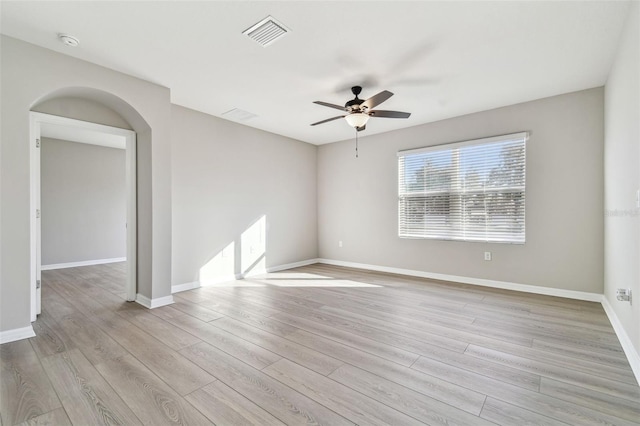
{"points": [[389, 114], [330, 105], [376, 100], [327, 120]]}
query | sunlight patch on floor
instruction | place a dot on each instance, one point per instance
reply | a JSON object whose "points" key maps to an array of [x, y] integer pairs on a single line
{"points": [[302, 279], [285, 279], [316, 283], [230, 284]]}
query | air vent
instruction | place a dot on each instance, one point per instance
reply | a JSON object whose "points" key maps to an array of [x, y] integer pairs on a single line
{"points": [[266, 31], [238, 115]]}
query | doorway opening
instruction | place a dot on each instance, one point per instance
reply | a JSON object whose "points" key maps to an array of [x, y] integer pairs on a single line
{"points": [[72, 130]]}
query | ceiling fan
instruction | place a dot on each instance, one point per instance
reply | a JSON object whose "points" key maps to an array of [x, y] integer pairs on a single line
{"points": [[359, 111]]}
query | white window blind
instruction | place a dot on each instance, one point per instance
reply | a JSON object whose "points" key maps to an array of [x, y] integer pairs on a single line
{"points": [[467, 191]]}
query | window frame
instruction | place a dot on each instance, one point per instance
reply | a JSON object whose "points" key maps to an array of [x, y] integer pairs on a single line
{"points": [[458, 226]]}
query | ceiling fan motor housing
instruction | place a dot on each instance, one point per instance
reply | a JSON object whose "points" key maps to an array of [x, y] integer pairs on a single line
{"points": [[355, 101], [354, 104]]}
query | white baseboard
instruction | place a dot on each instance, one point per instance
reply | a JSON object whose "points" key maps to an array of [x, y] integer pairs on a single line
{"points": [[82, 263], [197, 284], [625, 341], [16, 334], [223, 279], [153, 303], [548, 291], [292, 265], [220, 279], [184, 287]]}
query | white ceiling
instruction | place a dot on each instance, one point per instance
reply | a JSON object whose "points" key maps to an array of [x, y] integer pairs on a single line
{"points": [[441, 59]]}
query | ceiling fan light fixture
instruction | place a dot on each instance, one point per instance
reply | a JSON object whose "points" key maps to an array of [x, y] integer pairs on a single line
{"points": [[357, 119]]}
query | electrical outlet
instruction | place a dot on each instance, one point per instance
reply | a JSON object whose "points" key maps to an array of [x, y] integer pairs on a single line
{"points": [[623, 294], [340, 244], [487, 255]]}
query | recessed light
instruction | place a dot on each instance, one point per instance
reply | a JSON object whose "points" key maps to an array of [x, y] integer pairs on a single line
{"points": [[69, 40]]}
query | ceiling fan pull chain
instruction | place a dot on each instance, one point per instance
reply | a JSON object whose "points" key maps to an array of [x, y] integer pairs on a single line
{"points": [[356, 143]]}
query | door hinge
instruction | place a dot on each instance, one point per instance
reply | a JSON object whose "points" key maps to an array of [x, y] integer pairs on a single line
{"points": [[37, 283], [37, 143], [37, 213]]}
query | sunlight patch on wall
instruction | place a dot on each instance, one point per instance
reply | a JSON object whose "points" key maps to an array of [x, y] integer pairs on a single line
{"points": [[220, 267], [253, 248], [247, 257]]}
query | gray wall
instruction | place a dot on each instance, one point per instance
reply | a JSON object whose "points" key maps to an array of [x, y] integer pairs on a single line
{"points": [[31, 75], [357, 197], [225, 178], [622, 177], [83, 202]]}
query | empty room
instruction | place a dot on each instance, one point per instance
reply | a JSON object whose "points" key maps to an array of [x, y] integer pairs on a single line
{"points": [[320, 212]]}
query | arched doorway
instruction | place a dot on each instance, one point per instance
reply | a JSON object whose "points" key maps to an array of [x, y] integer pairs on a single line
{"points": [[63, 115]]}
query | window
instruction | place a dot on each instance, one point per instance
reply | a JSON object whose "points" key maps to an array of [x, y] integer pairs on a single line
{"points": [[467, 191]]}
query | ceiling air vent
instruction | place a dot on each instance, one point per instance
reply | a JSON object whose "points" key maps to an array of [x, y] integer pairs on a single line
{"points": [[266, 31], [237, 114]]}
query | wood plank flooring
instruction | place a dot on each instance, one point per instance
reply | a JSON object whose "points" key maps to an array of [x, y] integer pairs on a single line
{"points": [[319, 345]]}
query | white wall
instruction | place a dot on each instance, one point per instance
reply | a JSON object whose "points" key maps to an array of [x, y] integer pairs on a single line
{"points": [[357, 197], [83, 202], [238, 193], [622, 177]]}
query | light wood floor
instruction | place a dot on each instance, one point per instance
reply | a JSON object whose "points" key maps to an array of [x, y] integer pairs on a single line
{"points": [[315, 345]]}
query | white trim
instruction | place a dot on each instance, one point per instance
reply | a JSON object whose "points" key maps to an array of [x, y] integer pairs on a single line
{"points": [[84, 125], [131, 165], [452, 145], [87, 136], [185, 287], [82, 263], [276, 268], [629, 350], [153, 303], [548, 291], [221, 279], [196, 284], [36, 120], [217, 280], [16, 334], [292, 265], [34, 223]]}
